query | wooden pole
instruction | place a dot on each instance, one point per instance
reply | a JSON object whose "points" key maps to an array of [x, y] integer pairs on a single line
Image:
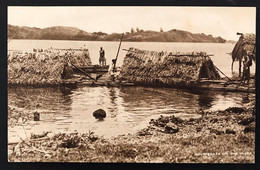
{"points": [[13, 36], [114, 68], [223, 73], [83, 72]]}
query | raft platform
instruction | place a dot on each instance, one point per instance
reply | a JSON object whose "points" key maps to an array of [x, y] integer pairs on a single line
{"points": [[93, 69], [223, 85], [100, 76], [204, 84]]}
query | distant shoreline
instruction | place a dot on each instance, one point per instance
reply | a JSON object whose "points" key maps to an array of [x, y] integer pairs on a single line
{"points": [[129, 41], [138, 35]]}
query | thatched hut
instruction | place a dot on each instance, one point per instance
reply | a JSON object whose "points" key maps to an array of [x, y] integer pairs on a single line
{"points": [[44, 68], [244, 46], [167, 69], [80, 58]]}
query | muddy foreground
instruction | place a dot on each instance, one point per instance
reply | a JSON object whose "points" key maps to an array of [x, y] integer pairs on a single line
{"points": [[204, 137]]}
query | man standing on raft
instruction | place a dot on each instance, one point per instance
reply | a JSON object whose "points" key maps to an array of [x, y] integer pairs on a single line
{"points": [[102, 59]]}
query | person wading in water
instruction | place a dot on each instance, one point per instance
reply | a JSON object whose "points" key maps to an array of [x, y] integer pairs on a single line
{"points": [[102, 59]]}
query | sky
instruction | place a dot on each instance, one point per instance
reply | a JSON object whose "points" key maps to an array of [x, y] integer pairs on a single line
{"points": [[217, 21]]}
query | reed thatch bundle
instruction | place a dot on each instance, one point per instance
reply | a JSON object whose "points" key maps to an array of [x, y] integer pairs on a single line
{"points": [[244, 46], [169, 69], [41, 68], [80, 58]]}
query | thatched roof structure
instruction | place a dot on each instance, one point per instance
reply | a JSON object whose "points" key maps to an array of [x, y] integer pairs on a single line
{"points": [[244, 46], [80, 58], [167, 69], [43, 68]]}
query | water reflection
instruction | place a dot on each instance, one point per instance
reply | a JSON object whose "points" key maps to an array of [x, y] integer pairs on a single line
{"points": [[128, 108], [165, 100], [114, 105], [205, 98], [44, 98], [53, 104]]}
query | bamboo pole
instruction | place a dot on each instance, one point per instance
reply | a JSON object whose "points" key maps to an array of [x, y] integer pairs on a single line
{"points": [[114, 68], [13, 36], [83, 72], [222, 73]]}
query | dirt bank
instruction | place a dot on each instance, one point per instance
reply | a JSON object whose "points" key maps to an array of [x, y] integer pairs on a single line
{"points": [[203, 137]]}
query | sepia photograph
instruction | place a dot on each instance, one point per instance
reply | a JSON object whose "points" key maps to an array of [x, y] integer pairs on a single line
{"points": [[131, 84]]}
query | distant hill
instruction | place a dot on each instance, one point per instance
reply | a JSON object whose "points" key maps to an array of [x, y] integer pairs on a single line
{"points": [[72, 33]]}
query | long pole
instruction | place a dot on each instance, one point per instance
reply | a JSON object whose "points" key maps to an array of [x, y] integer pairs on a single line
{"points": [[118, 52], [13, 36], [82, 71], [223, 73]]}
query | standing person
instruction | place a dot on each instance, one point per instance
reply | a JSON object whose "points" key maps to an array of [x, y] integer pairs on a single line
{"points": [[113, 65], [102, 59], [246, 69], [85, 52], [85, 47]]}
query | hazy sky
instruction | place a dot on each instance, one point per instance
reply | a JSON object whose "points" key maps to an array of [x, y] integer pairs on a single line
{"points": [[218, 21]]}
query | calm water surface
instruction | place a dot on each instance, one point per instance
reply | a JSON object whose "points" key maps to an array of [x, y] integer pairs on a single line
{"points": [[128, 108]]}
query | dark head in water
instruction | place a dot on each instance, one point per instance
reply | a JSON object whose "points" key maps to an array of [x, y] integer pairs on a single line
{"points": [[99, 114]]}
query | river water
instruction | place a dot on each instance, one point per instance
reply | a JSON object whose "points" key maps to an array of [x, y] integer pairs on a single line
{"points": [[128, 108]]}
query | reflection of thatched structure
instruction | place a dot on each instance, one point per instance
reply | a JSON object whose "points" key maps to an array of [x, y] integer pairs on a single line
{"points": [[168, 69], [40, 68], [244, 46]]}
